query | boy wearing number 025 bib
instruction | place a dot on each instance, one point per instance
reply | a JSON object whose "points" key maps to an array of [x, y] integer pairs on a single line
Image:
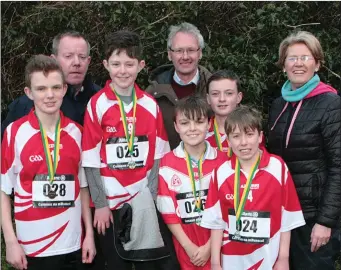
{"points": [[252, 203], [124, 138], [184, 178], [41, 155]]}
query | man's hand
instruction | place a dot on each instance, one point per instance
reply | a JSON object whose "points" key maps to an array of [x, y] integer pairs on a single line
{"points": [[320, 236], [191, 250], [281, 264], [102, 219], [15, 255], [88, 249], [202, 255]]}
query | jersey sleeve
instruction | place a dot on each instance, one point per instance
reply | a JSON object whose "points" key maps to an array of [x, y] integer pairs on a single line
{"points": [[292, 216], [82, 177], [165, 201], [212, 216], [92, 137], [162, 145], [8, 175]]}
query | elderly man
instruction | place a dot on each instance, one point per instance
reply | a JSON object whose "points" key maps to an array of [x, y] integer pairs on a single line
{"points": [[71, 50], [170, 83]]}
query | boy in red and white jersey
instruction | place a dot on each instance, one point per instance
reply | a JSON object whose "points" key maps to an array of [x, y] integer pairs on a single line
{"points": [[41, 155], [224, 95], [252, 203], [124, 139], [184, 178]]}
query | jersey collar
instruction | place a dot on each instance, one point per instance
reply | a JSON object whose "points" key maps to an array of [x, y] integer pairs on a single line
{"points": [[211, 153], [33, 120], [110, 94]]}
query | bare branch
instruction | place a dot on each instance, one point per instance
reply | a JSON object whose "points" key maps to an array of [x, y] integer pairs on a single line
{"points": [[304, 24], [332, 72], [159, 20]]}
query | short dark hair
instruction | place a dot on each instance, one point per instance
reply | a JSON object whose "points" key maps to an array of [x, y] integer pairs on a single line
{"points": [[124, 40], [221, 75], [193, 107], [244, 117], [71, 33], [41, 63]]}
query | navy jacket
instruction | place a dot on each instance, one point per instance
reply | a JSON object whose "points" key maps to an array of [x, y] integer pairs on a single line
{"points": [[72, 107]]}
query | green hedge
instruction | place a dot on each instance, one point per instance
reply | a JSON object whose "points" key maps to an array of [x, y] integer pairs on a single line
{"points": [[242, 36]]}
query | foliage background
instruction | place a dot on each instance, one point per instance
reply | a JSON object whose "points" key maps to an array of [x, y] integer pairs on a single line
{"points": [[242, 36]]}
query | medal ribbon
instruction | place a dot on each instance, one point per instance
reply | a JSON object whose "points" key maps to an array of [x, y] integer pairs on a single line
{"points": [[51, 165], [129, 137], [191, 176], [218, 138], [239, 205]]}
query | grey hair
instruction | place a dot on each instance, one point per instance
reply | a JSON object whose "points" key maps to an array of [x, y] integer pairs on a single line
{"points": [[75, 34], [185, 28]]}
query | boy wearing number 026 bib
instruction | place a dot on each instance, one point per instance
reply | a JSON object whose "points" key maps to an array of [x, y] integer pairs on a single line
{"points": [[41, 155], [252, 203], [184, 178]]}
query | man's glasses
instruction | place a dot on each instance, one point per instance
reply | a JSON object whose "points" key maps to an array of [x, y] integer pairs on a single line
{"points": [[303, 58], [181, 51]]}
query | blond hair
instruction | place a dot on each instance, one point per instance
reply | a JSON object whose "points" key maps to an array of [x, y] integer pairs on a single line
{"points": [[303, 37]]}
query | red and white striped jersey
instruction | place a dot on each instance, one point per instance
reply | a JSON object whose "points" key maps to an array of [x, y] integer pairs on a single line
{"points": [[272, 207], [211, 138], [176, 200], [43, 226], [104, 144]]}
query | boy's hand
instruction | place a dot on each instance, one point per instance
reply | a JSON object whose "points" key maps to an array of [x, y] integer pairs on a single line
{"points": [[215, 266], [191, 250], [320, 236], [202, 255], [15, 255], [88, 249], [102, 218], [281, 264]]}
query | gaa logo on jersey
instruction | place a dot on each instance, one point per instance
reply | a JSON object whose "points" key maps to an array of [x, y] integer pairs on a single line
{"points": [[35, 158], [175, 181]]}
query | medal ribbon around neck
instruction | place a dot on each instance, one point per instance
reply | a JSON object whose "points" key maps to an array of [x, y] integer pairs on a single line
{"points": [[218, 138], [239, 205], [51, 164], [129, 137], [191, 176]]}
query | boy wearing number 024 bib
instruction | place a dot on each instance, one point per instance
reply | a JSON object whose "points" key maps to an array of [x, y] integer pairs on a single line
{"points": [[184, 178], [41, 156], [252, 203]]}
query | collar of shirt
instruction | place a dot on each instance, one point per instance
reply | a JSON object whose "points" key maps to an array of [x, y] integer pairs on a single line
{"points": [[195, 79]]}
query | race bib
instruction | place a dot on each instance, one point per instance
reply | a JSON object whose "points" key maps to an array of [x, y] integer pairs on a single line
{"points": [[187, 209], [59, 194], [253, 227], [119, 157]]}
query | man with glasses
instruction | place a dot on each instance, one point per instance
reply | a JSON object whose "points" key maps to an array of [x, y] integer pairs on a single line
{"points": [[72, 52], [170, 83]]}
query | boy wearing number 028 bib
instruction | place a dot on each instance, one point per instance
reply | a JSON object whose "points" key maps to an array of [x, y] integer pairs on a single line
{"points": [[252, 203], [41, 155], [184, 178]]}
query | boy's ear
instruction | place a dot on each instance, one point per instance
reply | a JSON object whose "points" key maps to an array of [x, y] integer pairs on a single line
{"points": [[176, 127], [105, 64], [28, 93], [260, 137], [142, 64], [240, 97]]}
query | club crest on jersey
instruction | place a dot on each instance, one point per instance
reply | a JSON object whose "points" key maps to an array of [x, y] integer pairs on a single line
{"points": [[175, 181], [36, 158]]}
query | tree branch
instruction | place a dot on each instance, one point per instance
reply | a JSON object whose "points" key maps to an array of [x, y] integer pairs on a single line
{"points": [[337, 75], [304, 24]]}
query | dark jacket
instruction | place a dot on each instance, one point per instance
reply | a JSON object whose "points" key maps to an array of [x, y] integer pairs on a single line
{"points": [[160, 88], [72, 107], [312, 153]]}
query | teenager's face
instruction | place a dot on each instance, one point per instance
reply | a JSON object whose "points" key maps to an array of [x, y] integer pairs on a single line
{"points": [[245, 145], [47, 92], [123, 70], [74, 59], [192, 132], [223, 96]]}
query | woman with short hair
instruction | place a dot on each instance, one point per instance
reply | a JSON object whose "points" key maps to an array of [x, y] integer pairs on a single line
{"points": [[305, 131]]}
